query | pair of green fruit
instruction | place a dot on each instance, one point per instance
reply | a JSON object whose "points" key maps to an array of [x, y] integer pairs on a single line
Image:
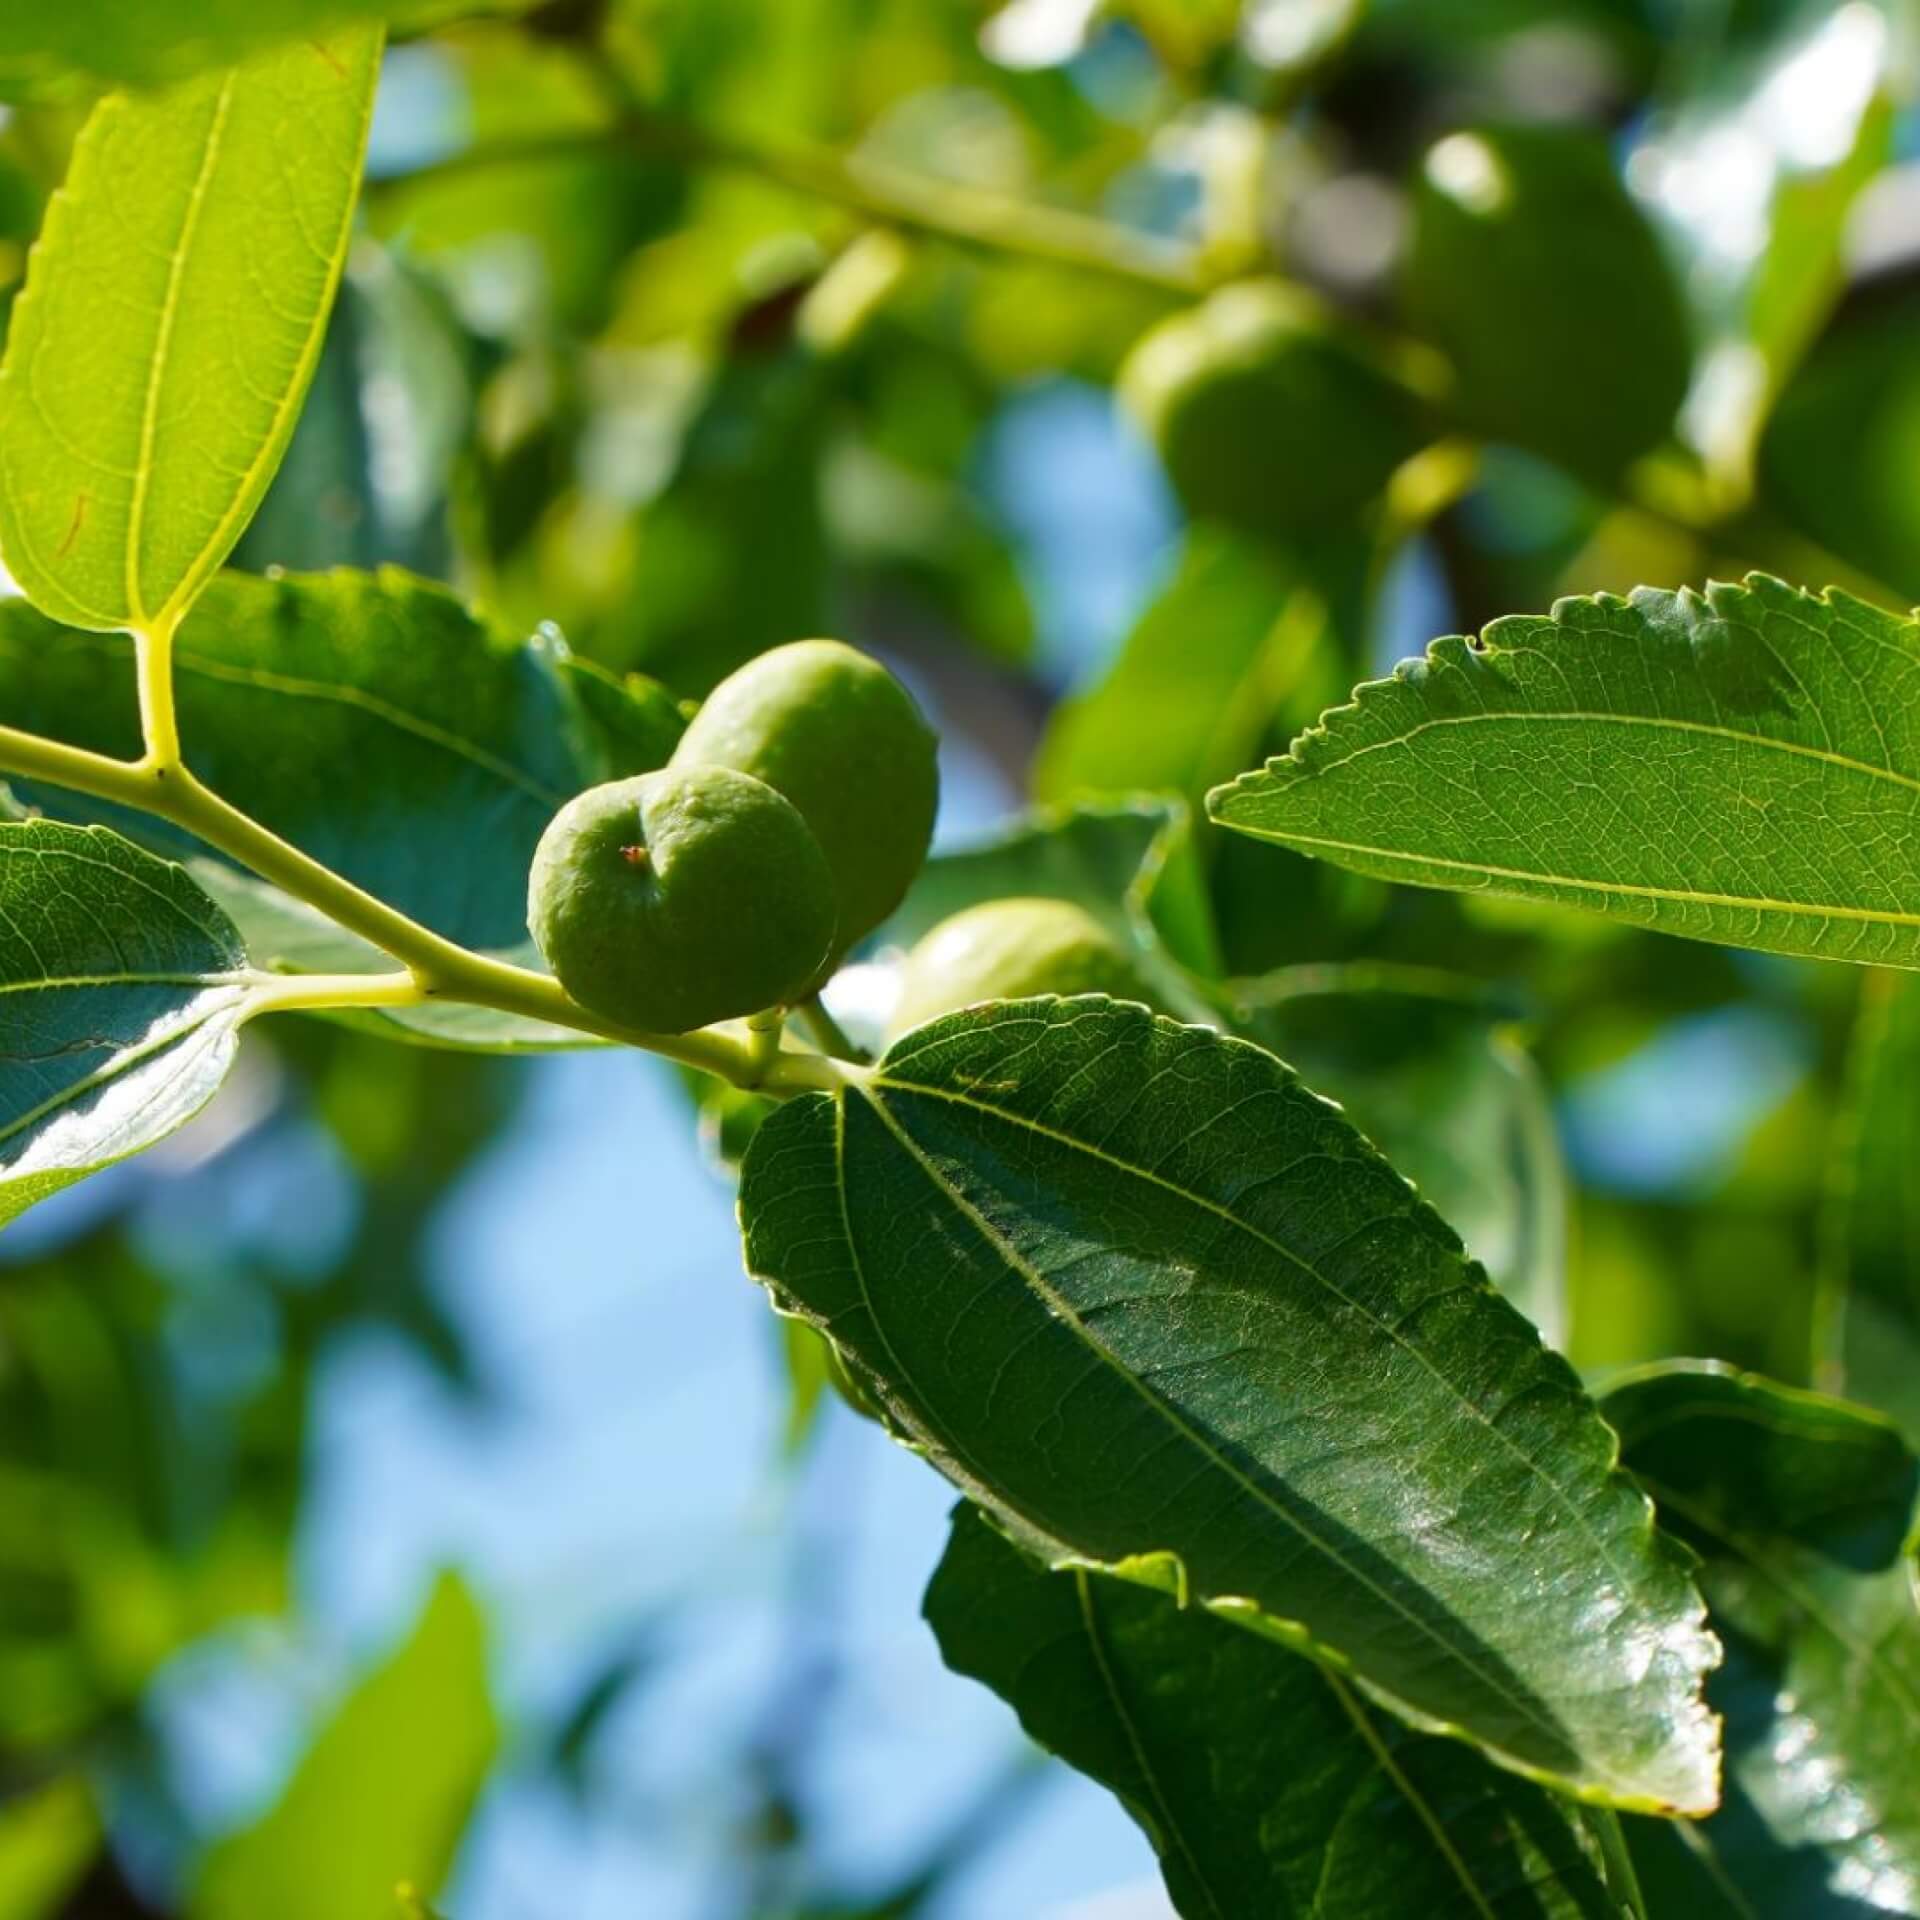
{"points": [[790, 821]]}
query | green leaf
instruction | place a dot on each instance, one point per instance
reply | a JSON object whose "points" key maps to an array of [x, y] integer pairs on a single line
{"points": [[1537, 276], [125, 987], [48, 1839], [379, 725], [147, 43], [1197, 682], [1127, 863], [1427, 1067], [1266, 1783], [1872, 1277], [1842, 439], [1165, 1312], [119, 1566], [1799, 1506], [382, 1796], [173, 314], [1739, 766]]}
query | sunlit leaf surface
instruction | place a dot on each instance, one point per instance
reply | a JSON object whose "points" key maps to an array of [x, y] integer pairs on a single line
{"points": [[1162, 1310]]}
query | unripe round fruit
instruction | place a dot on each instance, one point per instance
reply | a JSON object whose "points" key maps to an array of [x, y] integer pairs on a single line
{"points": [[841, 738], [1265, 421], [1006, 950], [682, 897], [1534, 270]]}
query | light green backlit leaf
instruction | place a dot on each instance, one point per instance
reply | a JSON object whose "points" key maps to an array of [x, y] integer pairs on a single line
{"points": [[121, 993], [57, 50], [383, 1794], [172, 317], [1165, 1312], [1741, 766]]}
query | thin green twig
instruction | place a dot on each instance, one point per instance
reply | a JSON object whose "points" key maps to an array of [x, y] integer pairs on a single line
{"points": [[878, 190], [435, 968]]}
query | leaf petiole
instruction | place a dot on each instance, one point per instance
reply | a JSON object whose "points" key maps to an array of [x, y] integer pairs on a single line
{"points": [[153, 671]]}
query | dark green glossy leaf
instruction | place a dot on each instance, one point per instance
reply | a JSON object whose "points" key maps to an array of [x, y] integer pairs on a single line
{"points": [[1740, 766], [1427, 1067], [1873, 1263], [1538, 277], [377, 724], [1799, 1506], [1165, 1312], [1266, 1783], [1738, 1454], [124, 986], [382, 1796]]}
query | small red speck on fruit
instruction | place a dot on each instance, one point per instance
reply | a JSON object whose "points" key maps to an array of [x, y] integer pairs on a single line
{"points": [[73, 527], [634, 856]]}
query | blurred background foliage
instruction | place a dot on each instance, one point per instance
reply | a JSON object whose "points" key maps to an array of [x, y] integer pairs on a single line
{"points": [[402, 1436]]}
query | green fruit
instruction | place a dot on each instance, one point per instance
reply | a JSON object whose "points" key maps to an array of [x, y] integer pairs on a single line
{"points": [[679, 898], [1533, 270], [1263, 420], [840, 737], [1006, 950]]}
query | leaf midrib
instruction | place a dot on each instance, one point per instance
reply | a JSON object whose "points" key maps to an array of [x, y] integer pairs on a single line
{"points": [[63, 982], [1200, 1201], [157, 366], [1423, 1809], [200, 1015], [1298, 771], [1678, 896], [1090, 1621]]}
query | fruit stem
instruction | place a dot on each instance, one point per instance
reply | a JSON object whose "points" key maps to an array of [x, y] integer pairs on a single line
{"points": [[826, 1032], [763, 1040]]}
